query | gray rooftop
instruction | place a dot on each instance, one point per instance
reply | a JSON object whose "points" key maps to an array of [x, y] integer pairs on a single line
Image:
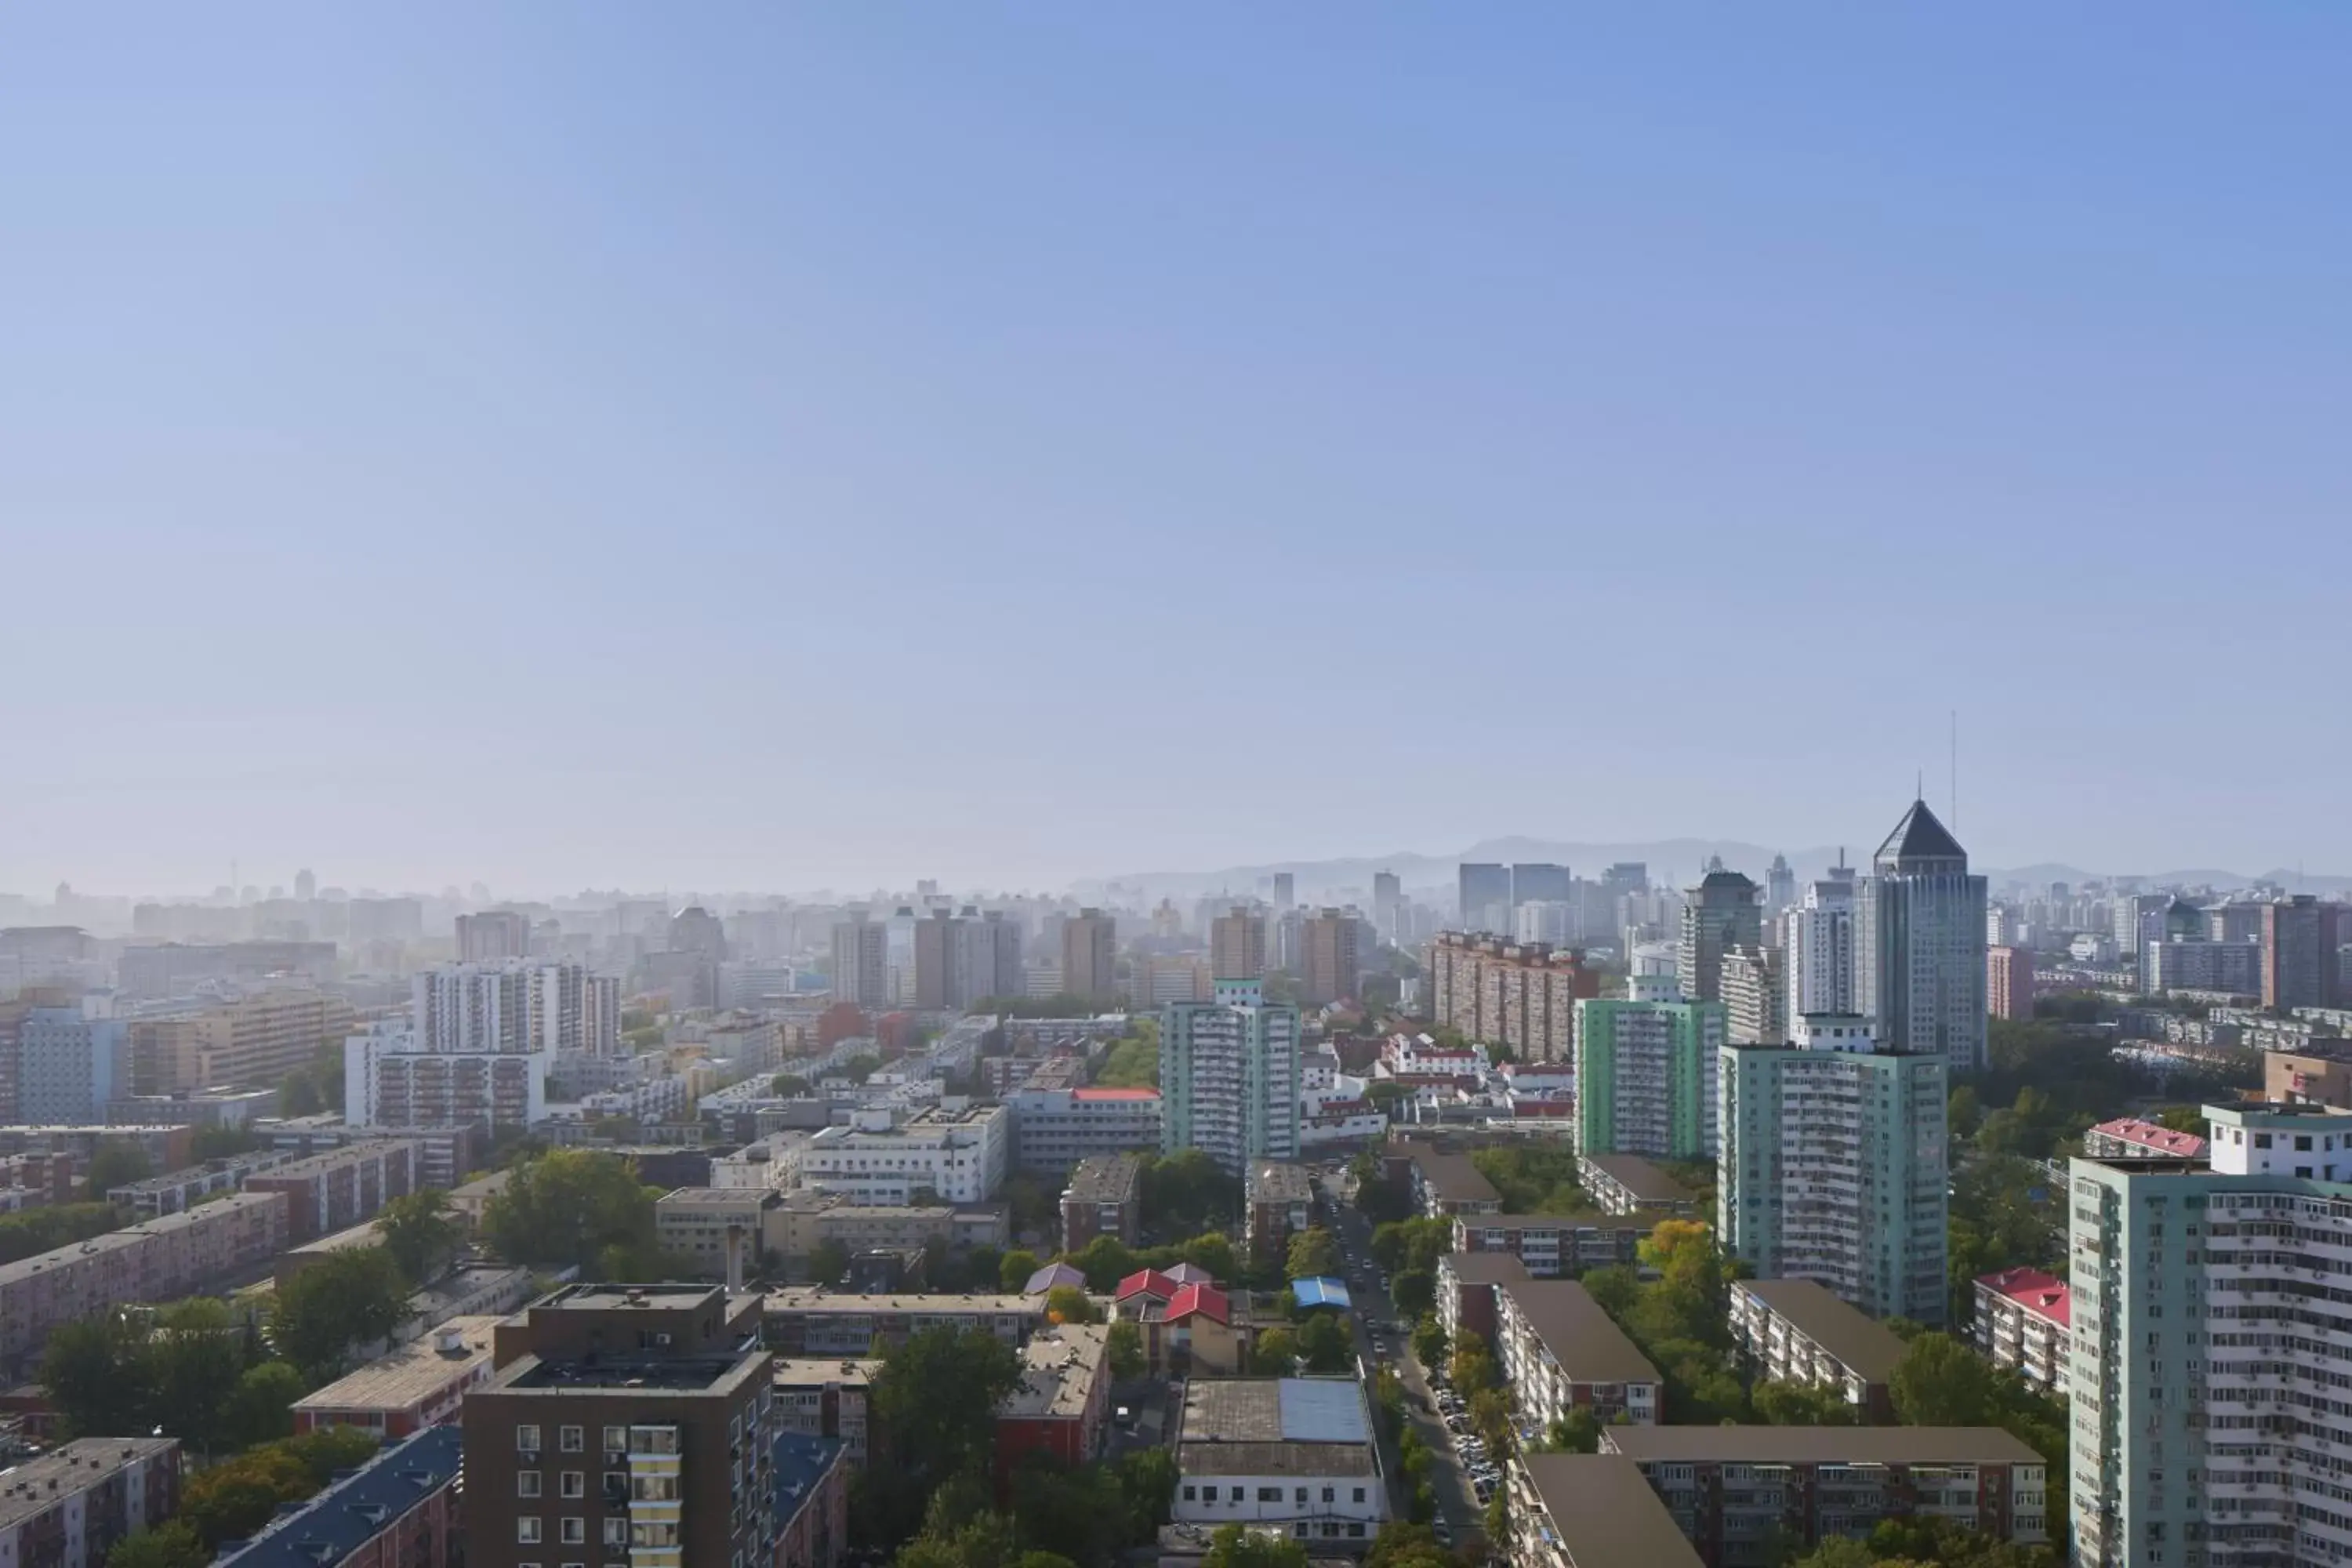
{"points": [[1273, 1183], [1643, 1178], [1862, 1345], [1584, 1339], [1059, 1366], [1485, 1267], [26, 1491], [1818, 1444], [1605, 1513], [1457, 1178], [1104, 1179]]}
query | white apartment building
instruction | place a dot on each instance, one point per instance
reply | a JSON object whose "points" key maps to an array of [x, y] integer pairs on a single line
{"points": [[2024, 1323], [1558, 1350], [1053, 1129], [388, 1081], [960, 1153], [1795, 1331], [519, 1006], [1818, 938]]}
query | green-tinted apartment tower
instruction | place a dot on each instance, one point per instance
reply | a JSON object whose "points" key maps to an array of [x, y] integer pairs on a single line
{"points": [[1229, 1077], [1645, 1076]]}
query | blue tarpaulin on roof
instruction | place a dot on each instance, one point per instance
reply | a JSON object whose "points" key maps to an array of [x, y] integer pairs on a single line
{"points": [[1322, 1291]]}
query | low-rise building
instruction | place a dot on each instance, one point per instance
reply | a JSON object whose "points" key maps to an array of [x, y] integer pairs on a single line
{"points": [[1061, 1406], [1280, 1203], [1628, 1183], [1736, 1491], [2025, 1323], [399, 1510], [826, 1397], [958, 1153], [1794, 1331], [295, 1259], [1104, 1197], [2131, 1138], [67, 1508], [176, 1190], [342, 1187], [1551, 1245], [1056, 1125], [723, 1229], [1290, 1454], [418, 1385], [1187, 1326], [1445, 1185], [1592, 1510], [811, 1501], [1466, 1286], [813, 1321], [1558, 1350]]}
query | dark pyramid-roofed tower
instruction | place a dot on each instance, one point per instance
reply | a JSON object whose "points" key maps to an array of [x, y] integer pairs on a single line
{"points": [[1921, 844], [1919, 944]]}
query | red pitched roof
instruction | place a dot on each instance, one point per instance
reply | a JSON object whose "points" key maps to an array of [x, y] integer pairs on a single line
{"points": [[1205, 1298], [1147, 1282], [2153, 1135], [2043, 1295]]}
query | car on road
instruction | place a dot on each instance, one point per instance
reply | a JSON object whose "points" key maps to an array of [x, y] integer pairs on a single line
{"points": [[1442, 1529]]}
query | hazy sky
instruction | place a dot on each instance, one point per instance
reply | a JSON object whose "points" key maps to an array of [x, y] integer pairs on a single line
{"points": [[790, 445]]}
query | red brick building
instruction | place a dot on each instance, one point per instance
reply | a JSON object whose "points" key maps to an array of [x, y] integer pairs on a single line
{"points": [[1061, 1406]]}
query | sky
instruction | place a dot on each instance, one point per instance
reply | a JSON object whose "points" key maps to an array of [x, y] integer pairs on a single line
{"points": [[754, 445]]}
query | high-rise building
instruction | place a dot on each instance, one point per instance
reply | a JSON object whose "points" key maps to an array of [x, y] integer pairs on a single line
{"points": [[1484, 888], [1537, 883], [1919, 954], [1388, 900], [2209, 1356], [70, 1064], [1780, 888], [1818, 945], [1755, 995], [625, 1423], [1285, 891], [2234, 967], [1719, 914], [1237, 944], [1645, 1076], [1625, 879], [941, 980], [240, 1042], [1090, 956], [2009, 982], [1333, 963], [861, 969], [1836, 1167], [2301, 962], [306, 885], [516, 1007], [492, 936], [696, 930], [1519, 996], [992, 957], [1229, 1077]]}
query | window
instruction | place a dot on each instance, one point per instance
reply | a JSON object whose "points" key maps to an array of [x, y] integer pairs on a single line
{"points": [[1237, 1494], [525, 1483], [572, 1439], [616, 1533], [527, 1436], [617, 1481], [575, 1484], [1357, 1528], [1299, 1496], [575, 1530], [1330, 1494], [527, 1530], [616, 1439], [1269, 1494], [1360, 1494], [1189, 1493]]}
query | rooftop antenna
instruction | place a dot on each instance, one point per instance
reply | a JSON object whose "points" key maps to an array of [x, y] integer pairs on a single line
{"points": [[1956, 769]]}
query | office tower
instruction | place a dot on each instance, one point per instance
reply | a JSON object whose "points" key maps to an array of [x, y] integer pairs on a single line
{"points": [[306, 885], [1238, 945], [696, 930], [1645, 1076], [1535, 882], [2238, 919], [1919, 945], [1836, 1167], [1485, 894], [1718, 914], [1755, 995], [1331, 962], [1780, 888], [993, 959], [2207, 1368], [1285, 891], [1388, 898], [1157, 979], [1090, 956], [1229, 1077], [1286, 941], [68, 1065], [1818, 946], [1625, 879], [625, 1423], [492, 936], [2300, 959], [1521, 996], [2009, 982], [861, 974]]}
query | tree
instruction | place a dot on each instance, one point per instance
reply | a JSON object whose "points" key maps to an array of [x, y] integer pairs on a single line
{"points": [[1414, 1290], [934, 1402], [172, 1545], [351, 1298], [1214, 1253], [1327, 1342], [1962, 1112], [259, 1409], [1402, 1544], [1940, 1381], [1429, 1341], [1105, 1261], [97, 1378], [1276, 1353], [421, 1232], [1579, 1432], [1473, 1368], [1313, 1254], [194, 1357], [117, 1162], [1132, 1064], [1838, 1552], [1798, 1405], [235, 1498], [788, 1086], [1490, 1416], [22, 1235], [571, 1207], [1077, 1514], [1068, 1304], [1148, 1476], [1012, 1270], [1234, 1547], [828, 1261], [2183, 1119], [860, 1068], [1123, 1346]]}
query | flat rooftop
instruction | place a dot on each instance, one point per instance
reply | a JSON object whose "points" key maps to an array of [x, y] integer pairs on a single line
{"points": [[36, 1486], [1454, 1176], [1059, 1366], [652, 1375], [628, 1298], [1274, 1182], [1862, 1344], [215, 1213], [363, 1234], [1605, 1512], [1276, 1410], [335, 1159], [809, 1372], [1485, 1267], [412, 1373], [1104, 1179], [1818, 1444], [1645, 1179], [718, 1199], [815, 1299], [1584, 1339]]}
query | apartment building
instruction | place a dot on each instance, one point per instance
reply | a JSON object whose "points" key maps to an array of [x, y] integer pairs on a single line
{"points": [[1645, 1076], [195, 1252], [1279, 1201], [1238, 945], [1755, 995], [1719, 914], [1332, 953], [1468, 1283], [2302, 952], [399, 1510], [158, 972], [815, 1322], [2131, 1138], [1558, 1350], [1551, 1245], [1229, 1077], [623, 1421], [247, 1040], [342, 1187], [811, 1501], [521, 1008], [388, 1082], [1795, 1331], [2024, 1323], [1061, 1406], [1104, 1197], [1592, 1510], [2207, 1350], [2010, 983], [411, 1387], [723, 1229], [177, 1190], [1292, 1455], [1090, 955], [825, 1397], [1628, 1183], [1835, 1167], [68, 1064], [67, 1508], [1055, 1126], [1745, 1495], [958, 1152], [1518, 995]]}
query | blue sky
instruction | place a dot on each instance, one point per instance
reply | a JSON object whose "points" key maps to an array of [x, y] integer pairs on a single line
{"points": [[770, 445]]}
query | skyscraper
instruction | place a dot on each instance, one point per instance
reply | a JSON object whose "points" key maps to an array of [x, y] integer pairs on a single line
{"points": [[1719, 914], [940, 980], [1835, 1167], [1285, 891], [1919, 958], [1779, 886], [1535, 882], [861, 968], [2301, 961], [306, 885], [1645, 1076], [1237, 944], [1485, 891], [492, 936], [1818, 942], [1229, 1077], [1388, 897], [1090, 956], [1332, 959]]}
